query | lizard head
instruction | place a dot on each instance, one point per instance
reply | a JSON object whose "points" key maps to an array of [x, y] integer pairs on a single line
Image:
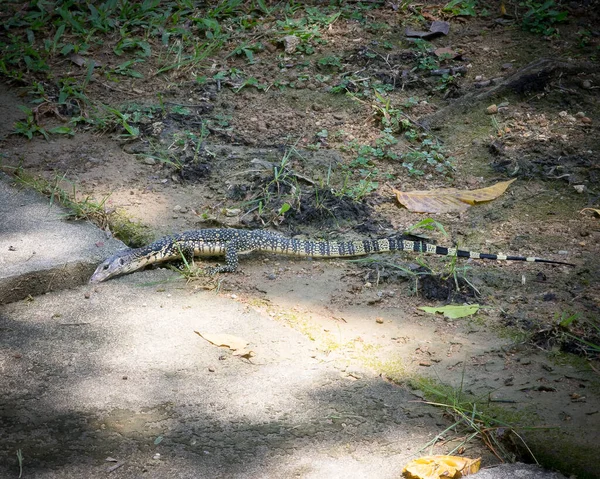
{"points": [[123, 262]]}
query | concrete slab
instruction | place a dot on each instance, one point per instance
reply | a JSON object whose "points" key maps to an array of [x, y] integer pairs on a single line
{"points": [[112, 378], [40, 250]]}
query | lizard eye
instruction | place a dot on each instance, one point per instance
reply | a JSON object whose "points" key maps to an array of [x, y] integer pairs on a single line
{"points": [[105, 267], [121, 261]]}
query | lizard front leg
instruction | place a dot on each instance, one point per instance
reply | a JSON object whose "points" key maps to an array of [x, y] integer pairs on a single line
{"points": [[231, 260]]}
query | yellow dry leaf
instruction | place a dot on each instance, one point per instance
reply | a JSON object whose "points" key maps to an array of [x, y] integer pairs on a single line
{"points": [[441, 467], [448, 200], [593, 210], [224, 340]]}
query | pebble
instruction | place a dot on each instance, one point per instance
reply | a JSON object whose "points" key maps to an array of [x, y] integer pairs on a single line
{"points": [[149, 161], [271, 276], [492, 109], [586, 84], [586, 120], [563, 252], [579, 188], [579, 114]]}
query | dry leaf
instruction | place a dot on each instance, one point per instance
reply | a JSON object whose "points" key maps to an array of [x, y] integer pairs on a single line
{"points": [[441, 467], [593, 210], [224, 340], [453, 311], [448, 200]]}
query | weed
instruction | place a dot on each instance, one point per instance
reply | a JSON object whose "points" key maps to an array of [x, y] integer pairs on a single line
{"points": [[29, 127], [461, 7], [251, 82], [473, 418], [330, 63], [585, 333], [541, 17], [20, 460], [118, 118]]}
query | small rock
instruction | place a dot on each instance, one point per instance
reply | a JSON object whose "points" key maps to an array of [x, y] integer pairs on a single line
{"points": [[379, 320], [156, 456], [232, 212], [291, 42], [12, 248], [271, 276], [270, 47], [563, 252], [492, 109], [177, 208], [586, 84], [549, 297], [483, 84], [562, 114], [211, 369], [586, 120], [507, 66], [579, 188], [149, 161], [86, 295], [479, 78], [579, 114]]}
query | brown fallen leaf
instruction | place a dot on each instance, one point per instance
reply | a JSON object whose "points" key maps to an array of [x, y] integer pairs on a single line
{"points": [[448, 200], [225, 340], [441, 467]]}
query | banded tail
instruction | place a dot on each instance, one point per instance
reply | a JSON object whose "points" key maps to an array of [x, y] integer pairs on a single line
{"points": [[339, 249]]}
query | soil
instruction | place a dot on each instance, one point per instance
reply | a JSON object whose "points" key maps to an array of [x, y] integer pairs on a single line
{"points": [[208, 155]]}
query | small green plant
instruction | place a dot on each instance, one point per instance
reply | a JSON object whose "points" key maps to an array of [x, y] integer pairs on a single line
{"points": [[585, 37], [541, 17], [251, 82], [248, 51], [330, 62], [29, 127], [20, 460], [461, 7], [121, 119], [586, 333]]}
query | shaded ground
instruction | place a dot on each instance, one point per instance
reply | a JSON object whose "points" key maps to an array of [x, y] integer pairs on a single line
{"points": [[333, 124]]}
